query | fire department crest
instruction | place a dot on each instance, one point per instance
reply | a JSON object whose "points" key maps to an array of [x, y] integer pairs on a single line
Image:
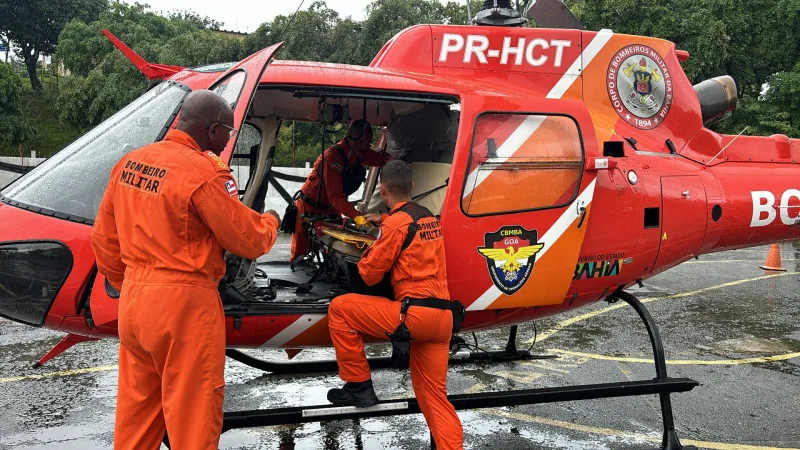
{"points": [[639, 86], [510, 253]]}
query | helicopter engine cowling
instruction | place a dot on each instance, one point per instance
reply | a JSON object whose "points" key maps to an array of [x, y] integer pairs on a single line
{"points": [[717, 96]]}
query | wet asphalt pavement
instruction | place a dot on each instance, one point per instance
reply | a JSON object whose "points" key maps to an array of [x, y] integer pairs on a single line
{"points": [[722, 321]]}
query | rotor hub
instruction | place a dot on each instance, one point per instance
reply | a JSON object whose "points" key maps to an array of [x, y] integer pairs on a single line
{"points": [[498, 13]]}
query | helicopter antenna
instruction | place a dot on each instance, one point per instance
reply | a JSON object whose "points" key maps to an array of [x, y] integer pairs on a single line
{"points": [[291, 20], [729, 143]]}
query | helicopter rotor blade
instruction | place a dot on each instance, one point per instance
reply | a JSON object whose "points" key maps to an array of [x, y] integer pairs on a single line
{"points": [[553, 14]]}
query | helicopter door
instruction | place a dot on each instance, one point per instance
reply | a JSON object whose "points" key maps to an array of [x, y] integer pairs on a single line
{"points": [[683, 226], [518, 206], [237, 86]]}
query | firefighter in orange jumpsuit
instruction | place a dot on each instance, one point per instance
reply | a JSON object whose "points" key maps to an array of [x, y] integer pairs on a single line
{"points": [[341, 176], [169, 211], [417, 266]]}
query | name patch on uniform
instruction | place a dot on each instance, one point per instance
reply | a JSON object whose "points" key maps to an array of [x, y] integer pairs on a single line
{"points": [[230, 185], [429, 231], [143, 177]]}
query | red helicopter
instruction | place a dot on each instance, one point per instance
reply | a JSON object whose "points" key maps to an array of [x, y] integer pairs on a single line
{"points": [[565, 165]]}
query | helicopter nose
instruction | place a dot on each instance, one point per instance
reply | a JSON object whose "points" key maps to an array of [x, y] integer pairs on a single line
{"points": [[31, 274]]}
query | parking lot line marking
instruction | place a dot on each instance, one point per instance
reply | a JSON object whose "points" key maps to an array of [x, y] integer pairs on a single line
{"points": [[59, 374], [685, 362], [624, 434], [563, 324]]}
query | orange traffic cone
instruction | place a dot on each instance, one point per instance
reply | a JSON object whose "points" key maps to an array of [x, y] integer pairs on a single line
{"points": [[774, 259]]}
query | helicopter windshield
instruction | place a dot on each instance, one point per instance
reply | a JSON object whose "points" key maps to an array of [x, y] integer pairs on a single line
{"points": [[71, 183]]}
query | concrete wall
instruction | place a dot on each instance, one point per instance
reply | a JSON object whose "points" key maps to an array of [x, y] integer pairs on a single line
{"points": [[7, 177]]}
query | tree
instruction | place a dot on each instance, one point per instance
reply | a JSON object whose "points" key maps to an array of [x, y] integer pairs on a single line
{"points": [[33, 25], [757, 42], [307, 36], [772, 112], [103, 80], [14, 129], [385, 18], [748, 39]]}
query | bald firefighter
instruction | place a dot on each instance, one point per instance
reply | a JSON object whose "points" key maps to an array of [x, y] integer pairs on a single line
{"points": [[337, 173], [169, 211], [410, 246]]}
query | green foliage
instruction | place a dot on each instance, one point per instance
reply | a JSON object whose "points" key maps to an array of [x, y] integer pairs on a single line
{"points": [[774, 112], [14, 128], [33, 26], [104, 81], [307, 142], [755, 41], [747, 39], [39, 110], [320, 34]]}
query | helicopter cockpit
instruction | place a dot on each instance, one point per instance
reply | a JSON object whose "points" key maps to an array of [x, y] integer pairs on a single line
{"points": [[420, 129]]}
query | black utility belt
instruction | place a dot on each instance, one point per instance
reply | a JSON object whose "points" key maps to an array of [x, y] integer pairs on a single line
{"points": [[455, 306], [314, 204], [401, 338]]}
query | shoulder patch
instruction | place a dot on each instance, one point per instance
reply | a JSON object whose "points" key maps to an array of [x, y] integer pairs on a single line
{"points": [[230, 186], [218, 163]]}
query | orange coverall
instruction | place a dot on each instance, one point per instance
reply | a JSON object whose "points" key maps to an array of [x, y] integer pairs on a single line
{"points": [[332, 199], [168, 212], [418, 272]]}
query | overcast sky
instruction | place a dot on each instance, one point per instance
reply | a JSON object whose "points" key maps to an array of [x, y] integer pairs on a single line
{"points": [[247, 15]]}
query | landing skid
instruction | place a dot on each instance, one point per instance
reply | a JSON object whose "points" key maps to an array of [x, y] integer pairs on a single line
{"points": [[661, 385], [460, 356], [670, 440], [63, 345]]}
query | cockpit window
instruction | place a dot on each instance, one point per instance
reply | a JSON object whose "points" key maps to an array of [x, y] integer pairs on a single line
{"points": [[72, 182], [221, 67], [230, 87]]}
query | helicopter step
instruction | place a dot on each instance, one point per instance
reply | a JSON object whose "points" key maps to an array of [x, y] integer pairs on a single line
{"points": [[318, 413]]}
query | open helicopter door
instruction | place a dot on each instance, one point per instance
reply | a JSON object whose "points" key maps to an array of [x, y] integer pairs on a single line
{"points": [[237, 86], [519, 200]]}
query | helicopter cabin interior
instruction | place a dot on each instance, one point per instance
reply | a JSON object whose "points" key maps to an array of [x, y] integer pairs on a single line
{"points": [[420, 128]]}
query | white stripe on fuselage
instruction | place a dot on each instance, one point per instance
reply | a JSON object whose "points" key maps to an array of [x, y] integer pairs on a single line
{"points": [[297, 327], [529, 126]]}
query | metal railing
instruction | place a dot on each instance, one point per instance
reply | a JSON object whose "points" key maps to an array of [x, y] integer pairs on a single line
{"points": [[48, 78]]}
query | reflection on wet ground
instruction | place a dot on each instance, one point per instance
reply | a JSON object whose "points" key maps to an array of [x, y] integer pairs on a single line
{"points": [[706, 334]]}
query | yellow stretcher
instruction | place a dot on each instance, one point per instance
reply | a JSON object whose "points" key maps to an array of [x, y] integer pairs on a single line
{"points": [[359, 240]]}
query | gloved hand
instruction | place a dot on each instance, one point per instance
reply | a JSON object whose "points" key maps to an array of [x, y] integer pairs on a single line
{"points": [[360, 221], [374, 218]]}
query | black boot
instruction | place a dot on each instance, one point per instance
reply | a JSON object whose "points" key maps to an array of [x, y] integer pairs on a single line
{"points": [[360, 395]]}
